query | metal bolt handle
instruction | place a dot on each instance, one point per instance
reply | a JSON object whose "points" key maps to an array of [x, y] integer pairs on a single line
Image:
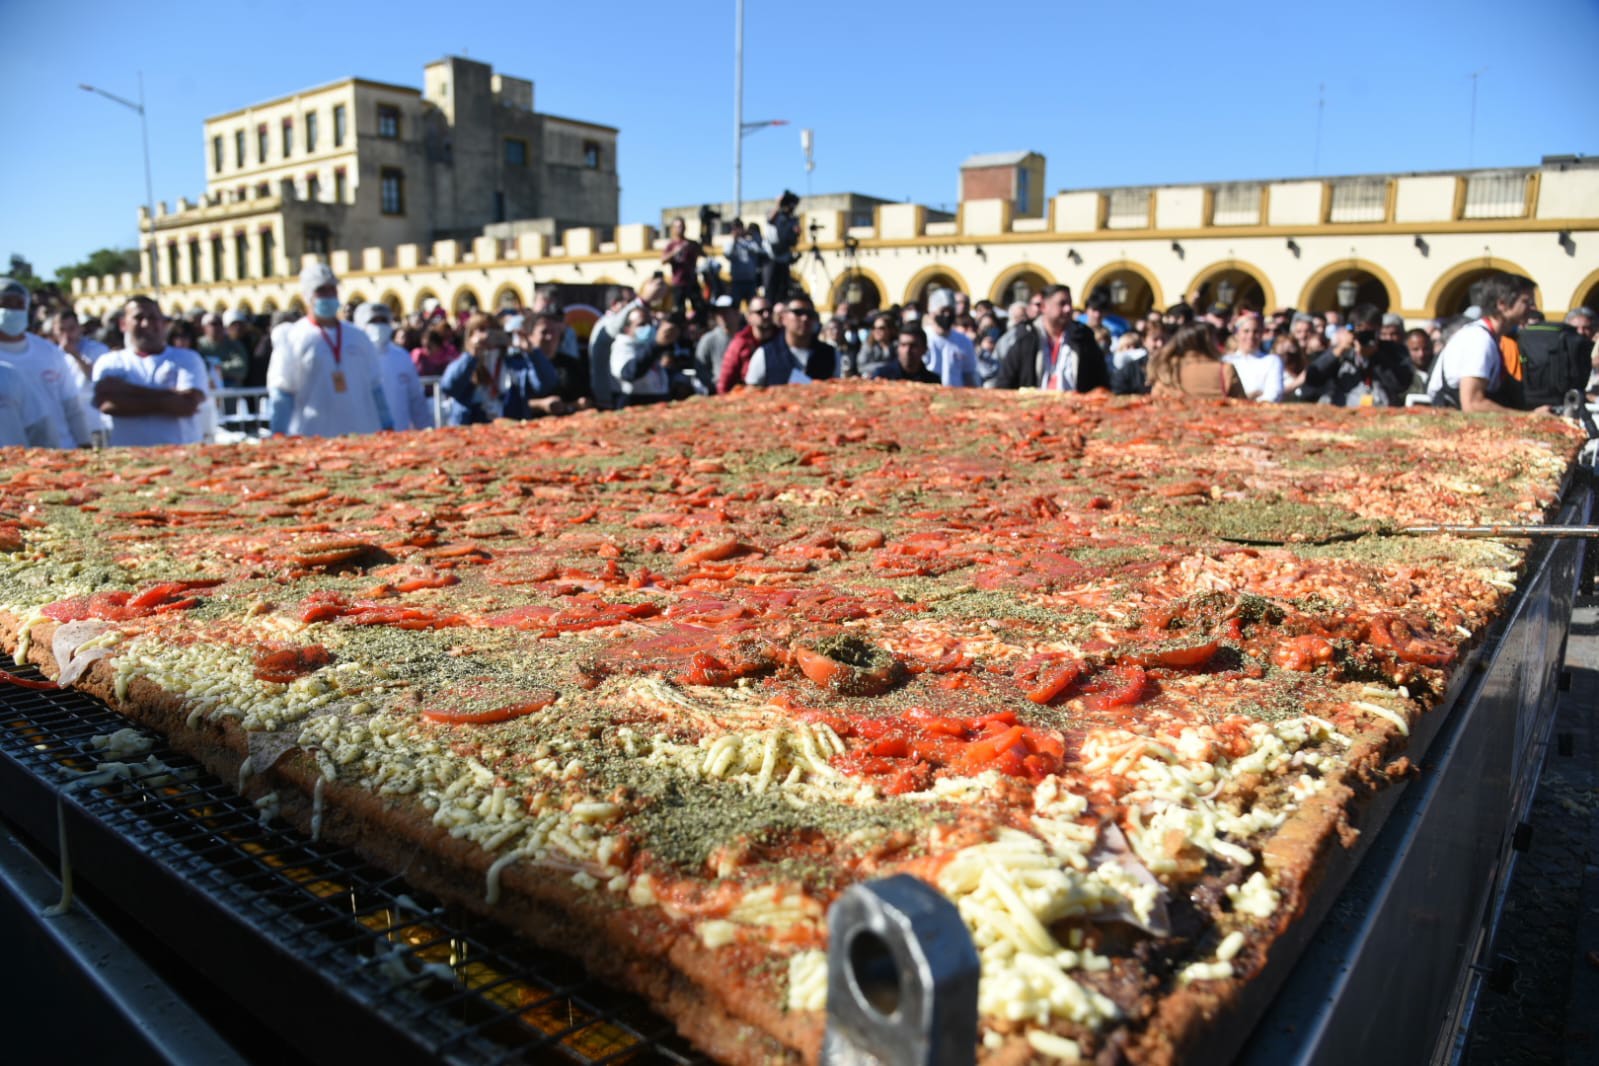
{"points": [[901, 978]]}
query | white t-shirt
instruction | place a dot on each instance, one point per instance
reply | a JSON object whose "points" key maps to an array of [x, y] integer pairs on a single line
{"points": [[304, 367], [46, 366], [952, 358], [1260, 372], [402, 388], [1473, 352], [24, 417], [173, 369]]}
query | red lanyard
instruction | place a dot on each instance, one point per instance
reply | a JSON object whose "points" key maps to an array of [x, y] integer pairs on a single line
{"points": [[337, 347]]}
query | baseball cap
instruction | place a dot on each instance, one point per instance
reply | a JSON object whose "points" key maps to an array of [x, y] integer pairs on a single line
{"points": [[940, 299], [722, 301], [211, 318], [235, 317]]}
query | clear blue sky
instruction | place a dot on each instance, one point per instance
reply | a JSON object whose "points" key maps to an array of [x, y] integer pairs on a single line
{"points": [[899, 94]]}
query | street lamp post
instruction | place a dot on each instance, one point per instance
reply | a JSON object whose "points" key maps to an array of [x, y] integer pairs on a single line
{"points": [[149, 186], [741, 129]]}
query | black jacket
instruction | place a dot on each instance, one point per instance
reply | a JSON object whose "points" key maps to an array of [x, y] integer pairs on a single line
{"points": [[1020, 363], [1334, 377]]}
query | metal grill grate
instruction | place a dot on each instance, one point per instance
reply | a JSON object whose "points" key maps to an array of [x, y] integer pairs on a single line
{"points": [[449, 984]]}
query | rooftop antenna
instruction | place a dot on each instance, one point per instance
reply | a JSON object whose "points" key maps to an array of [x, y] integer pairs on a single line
{"points": [[1471, 140], [1321, 105]]}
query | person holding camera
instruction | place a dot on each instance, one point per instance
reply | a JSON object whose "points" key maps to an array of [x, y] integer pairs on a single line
{"points": [[681, 255], [1360, 370], [641, 370], [785, 239], [746, 254]]}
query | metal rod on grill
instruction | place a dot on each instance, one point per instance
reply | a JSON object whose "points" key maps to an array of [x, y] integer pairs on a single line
{"points": [[1505, 531]]}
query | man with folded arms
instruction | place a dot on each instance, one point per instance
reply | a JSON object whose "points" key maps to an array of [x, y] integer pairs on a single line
{"points": [[150, 393]]}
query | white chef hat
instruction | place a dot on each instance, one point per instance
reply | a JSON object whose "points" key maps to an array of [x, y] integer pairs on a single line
{"points": [[939, 299], [314, 276], [364, 313]]}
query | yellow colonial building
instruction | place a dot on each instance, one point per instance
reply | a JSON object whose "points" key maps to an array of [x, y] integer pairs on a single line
{"points": [[1410, 243]]}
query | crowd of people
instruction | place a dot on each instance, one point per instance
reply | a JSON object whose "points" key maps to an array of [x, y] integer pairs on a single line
{"points": [[140, 378]]}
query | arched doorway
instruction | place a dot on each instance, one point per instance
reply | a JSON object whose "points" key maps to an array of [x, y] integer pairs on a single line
{"points": [[465, 300], [507, 297], [929, 278], [392, 301], [1452, 292], [1134, 292], [427, 301], [860, 289], [1340, 286], [297, 305], [244, 307], [1234, 283], [1587, 293], [1019, 283]]}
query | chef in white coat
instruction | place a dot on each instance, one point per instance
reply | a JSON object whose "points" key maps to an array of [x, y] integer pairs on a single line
{"points": [[324, 378], [402, 388]]}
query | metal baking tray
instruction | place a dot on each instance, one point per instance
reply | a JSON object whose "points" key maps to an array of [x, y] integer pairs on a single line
{"points": [[330, 954]]}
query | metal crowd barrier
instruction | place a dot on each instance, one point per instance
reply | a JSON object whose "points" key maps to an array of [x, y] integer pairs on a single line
{"points": [[246, 414]]}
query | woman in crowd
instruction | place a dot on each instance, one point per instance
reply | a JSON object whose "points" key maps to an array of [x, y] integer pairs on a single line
{"points": [[181, 334], [437, 352], [1190, 365]]}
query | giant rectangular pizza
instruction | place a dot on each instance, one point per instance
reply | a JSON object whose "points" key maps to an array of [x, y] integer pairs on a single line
{"points": [[655, 687]]}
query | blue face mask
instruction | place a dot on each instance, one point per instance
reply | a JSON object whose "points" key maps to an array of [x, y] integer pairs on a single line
{"points": [[13, 321], [644, 337], [326, 306]]}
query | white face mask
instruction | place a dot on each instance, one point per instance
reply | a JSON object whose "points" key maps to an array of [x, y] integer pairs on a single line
{"points": [[380, 332]]}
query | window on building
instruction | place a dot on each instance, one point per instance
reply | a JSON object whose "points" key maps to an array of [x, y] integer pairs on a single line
{"points": [[313, 187], [194, 260], [388, 122], [172, 263], [341, 186], [241, 255], [591, 155], [392, 195], [1024, 188], [263, 188], [216, 153], [310, 131], [288, 137], [499, 206], [515, 152], [269, 264], [238, 149], [216, 258], [339, 125], [262, 143], [317, 240]]}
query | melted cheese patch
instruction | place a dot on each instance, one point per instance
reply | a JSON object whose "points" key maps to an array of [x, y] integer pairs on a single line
{"points": [[807, 981]]}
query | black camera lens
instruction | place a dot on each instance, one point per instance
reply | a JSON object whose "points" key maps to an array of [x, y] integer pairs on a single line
{"points": [[1366, 337]]}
